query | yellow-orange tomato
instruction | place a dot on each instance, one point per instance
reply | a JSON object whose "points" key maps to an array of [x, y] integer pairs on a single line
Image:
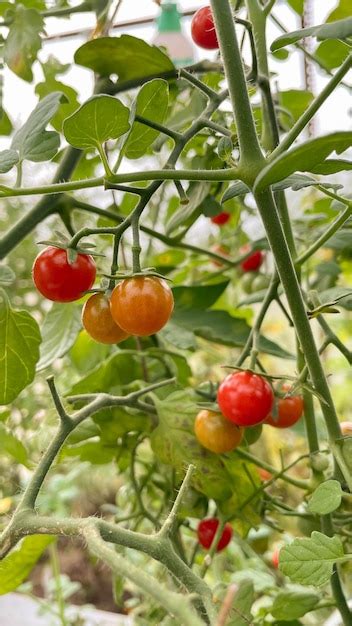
{"points": [[216, 433], [97, 320], [142, 305], [346, 429]]}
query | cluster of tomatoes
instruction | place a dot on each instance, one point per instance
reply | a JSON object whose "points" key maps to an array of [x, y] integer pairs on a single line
{"points": [[245, 400], [139, 305]]}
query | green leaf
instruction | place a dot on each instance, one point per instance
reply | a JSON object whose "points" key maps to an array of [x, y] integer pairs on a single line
{"points": [[340, 29], [303, 157], [174, 443], [17, 565], [32, 141], [9, 444], [297, 5], [19, 350], [260, 578], [331, 166], [197, 192], [221, 327], [126, 56], [118, 369], [8, 158], [97, 120], [332, 53], [66, 108], [293, 604], [178, 336], [152, 104], [6, 127], [7, 276], [325, 499], [199, 296], [343, 296], [342, 10], [86, 352], [295, 101], [310, 561], [295, 182], [240, 614], [59, 332], [23, 41]]}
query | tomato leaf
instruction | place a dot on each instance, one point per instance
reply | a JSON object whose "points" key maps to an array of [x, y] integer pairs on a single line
{"points": [[332, 53], [59, 332], [32, 141], [152, 104], [196, 193], [126, 56], [17, 565], [97, 120], [66, 108], [6, 127], [8, 158], [326, 498], [19, 350], [303, 157], [291, 604], [310, 561], [23, 41], [341, 29], [7, 276], [294, 181], [9, 444]]}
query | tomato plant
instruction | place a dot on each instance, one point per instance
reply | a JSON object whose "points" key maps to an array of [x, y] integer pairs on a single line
{"points": [[206, 532], [203, 29], [216, 433], [97, 320], [126, 436], [245, 399], [59, 280]]}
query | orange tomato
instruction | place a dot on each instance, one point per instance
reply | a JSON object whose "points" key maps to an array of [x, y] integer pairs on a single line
{"points": [[216, 433], [97, 320]]}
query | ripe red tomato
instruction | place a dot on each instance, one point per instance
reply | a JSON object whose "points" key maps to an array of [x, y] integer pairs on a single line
{"points": [[263, 474], [216, 433], [346, 429], [253, 261], [221, 218], [97, 320], [275, 558], [141, 305], [289, 411], [60, 281], [203, 29], [245, 398], [206, 533]]}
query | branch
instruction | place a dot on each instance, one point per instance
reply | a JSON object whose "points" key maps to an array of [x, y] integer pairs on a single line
{"points": [[180, 606], [170, 523]]}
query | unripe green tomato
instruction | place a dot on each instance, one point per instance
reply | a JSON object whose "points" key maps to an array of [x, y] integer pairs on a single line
{"points": [[251, 435], [247, 282], [260, 282], [319, 461]]}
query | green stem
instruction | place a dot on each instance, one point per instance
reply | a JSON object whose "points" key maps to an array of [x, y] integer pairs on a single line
{"points": [[159, 127], [136, 246], [59, 594], [175, 604], [104, 160], [336, 586], [301, 484], [313, 108], [293, 293], [250, 152]]}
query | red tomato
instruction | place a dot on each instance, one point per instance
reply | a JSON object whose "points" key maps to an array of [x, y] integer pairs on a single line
{"points": [[206, 533], [221, 218], [289, 411], [275, 558], [245, 398], [263, 474], [97, 320], [253, 261], [141, 305], [60, 281], [346, 429], [203, 29], [216, 433]]}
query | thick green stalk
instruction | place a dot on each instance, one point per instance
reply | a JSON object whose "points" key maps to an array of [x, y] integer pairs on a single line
{"points": [[45, 207], [250, 151], [346, 614]]}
